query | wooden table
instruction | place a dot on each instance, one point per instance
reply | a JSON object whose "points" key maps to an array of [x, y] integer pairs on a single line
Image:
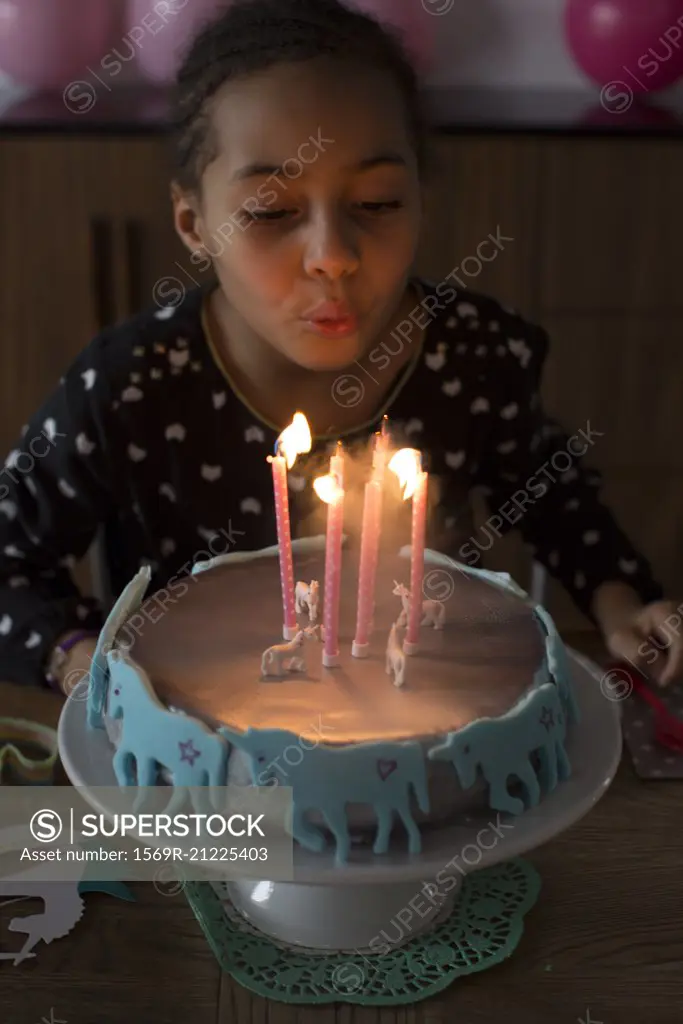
{"points": [[606, 938]]}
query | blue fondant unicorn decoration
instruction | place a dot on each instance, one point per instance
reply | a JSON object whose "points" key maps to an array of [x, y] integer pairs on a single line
{"points": [[557, 663], [502, 747], [129, 601], [152, 737], [328, 778]]}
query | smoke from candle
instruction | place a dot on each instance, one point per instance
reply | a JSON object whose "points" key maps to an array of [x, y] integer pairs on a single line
{"points": [[358, 459]]}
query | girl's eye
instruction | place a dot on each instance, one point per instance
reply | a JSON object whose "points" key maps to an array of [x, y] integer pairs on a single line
{"points": [[263, 216], [269, 216], [381, 207]]}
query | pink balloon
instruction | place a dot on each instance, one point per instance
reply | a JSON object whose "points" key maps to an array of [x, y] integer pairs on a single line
{"points": [[414, 25], [164, 37], [638, 43], [46, 44]]}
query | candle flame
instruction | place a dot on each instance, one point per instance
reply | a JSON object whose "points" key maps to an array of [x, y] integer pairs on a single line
{"points": [[327, 488], [406, 464], [295, 439]]}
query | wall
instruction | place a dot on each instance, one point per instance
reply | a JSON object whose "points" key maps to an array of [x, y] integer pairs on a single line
{"points": [[511, 44], [508, 43]]}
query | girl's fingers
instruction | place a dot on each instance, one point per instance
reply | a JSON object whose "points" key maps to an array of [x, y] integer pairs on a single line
{"points": [[660, 622]]}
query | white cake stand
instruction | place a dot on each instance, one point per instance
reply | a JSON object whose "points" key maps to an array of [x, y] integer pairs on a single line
{"points": [[344, 908]]}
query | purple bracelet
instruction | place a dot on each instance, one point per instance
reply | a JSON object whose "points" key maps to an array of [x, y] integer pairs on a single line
{"points": [[60, 652]]}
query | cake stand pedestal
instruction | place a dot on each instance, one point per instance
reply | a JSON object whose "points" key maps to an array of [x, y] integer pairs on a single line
{"points": [[345, 908], [338, 919]]}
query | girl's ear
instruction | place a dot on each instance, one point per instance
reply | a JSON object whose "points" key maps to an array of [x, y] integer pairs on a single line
{"points": [[187, 219]]}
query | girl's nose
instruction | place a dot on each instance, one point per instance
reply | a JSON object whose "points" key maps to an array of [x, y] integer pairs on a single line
{"points": [[330, 249]]}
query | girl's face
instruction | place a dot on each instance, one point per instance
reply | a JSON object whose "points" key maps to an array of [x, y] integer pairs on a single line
{"points": [[311, 209]]}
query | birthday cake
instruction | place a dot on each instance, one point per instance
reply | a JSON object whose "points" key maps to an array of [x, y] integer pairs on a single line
{"points": [[203, 690], [390, 706]]}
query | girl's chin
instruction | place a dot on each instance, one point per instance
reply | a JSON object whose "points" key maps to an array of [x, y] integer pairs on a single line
{"points": [[326, 356]]}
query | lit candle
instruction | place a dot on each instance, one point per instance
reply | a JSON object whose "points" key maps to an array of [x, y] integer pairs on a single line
{"points": [[369, 546], [330, 489], [294, 440], [407, 464]]}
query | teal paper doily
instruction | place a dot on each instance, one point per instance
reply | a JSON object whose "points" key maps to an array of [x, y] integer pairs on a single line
{"points": [[484, 929]]}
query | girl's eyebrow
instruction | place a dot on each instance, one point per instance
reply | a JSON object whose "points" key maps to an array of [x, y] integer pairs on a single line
{"points": [[394, 159], [255, 170], [262, 170]]}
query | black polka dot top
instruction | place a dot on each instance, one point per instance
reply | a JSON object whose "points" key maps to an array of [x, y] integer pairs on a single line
{"points": [[146, 443]]}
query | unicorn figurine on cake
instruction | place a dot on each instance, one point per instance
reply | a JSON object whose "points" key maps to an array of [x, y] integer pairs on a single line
{"points": [[434, 612], [306, 597], [395, 657], [281, 658]]}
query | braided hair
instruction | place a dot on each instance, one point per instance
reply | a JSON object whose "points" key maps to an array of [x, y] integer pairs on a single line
{"points": [[252, 35]]}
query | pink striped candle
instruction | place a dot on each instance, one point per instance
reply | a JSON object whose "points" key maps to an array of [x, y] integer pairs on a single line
{"points": [[294, 440], [417, 558], [284, 543], [331, 490], [369, 548]]}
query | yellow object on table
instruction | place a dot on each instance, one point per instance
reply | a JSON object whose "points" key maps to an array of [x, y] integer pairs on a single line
{"points": [[28, 752]]}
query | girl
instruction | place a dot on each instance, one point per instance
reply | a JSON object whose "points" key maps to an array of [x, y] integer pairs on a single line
{"points": [[300, 153]]}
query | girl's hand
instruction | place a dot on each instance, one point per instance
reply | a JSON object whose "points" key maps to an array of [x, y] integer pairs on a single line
{"points": [[651, 638]]}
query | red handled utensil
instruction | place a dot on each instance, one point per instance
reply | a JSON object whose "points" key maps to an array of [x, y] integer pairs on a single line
{"points": [[668, 728]]}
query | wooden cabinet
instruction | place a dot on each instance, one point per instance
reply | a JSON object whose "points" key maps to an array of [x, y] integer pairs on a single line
{"points": [[611, 225], [479, 188], [138, 255], [86, 233], [624, 374], [45, 260]]}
